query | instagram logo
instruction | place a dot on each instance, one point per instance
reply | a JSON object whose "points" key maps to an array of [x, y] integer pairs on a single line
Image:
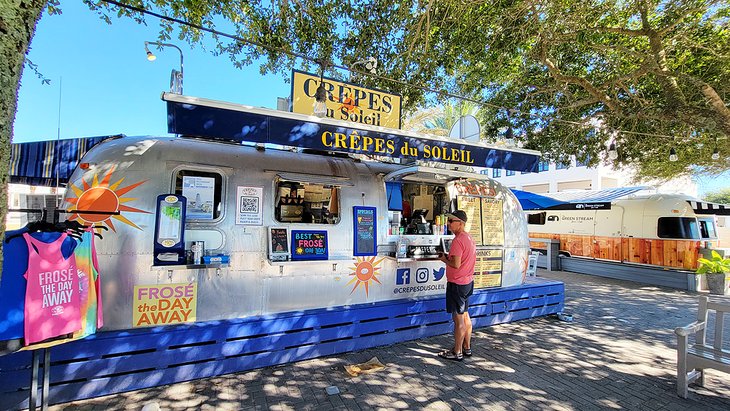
{"points": [[422, 275]]}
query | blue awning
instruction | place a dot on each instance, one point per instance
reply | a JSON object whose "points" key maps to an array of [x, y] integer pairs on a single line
{"points": [[532, 201], [45, 163]]}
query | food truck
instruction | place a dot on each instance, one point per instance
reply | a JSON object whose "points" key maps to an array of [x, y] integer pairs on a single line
{"points": [[257, 237], [668, 230], [253, 230]]}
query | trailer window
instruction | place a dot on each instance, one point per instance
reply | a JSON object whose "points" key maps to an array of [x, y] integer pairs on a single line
{"points": [[536, 218], [707, 228], [203, 191], [309, 203], [678, 227]]}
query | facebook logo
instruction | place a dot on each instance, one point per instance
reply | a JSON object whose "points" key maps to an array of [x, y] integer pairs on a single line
{"points": [[439, 274], [403, 276]]}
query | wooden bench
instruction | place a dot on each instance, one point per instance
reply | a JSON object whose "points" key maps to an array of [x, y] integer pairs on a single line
{"points": [[694, 358]]}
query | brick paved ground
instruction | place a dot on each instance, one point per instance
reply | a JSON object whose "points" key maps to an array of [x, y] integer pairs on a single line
{"points": [[618, 353]]}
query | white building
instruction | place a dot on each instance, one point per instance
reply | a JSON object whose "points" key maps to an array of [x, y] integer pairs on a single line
{"points": [[25, 197], [553, 178]]}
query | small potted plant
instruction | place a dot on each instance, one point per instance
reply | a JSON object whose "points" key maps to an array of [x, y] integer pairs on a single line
{"points": [[715, 270]]}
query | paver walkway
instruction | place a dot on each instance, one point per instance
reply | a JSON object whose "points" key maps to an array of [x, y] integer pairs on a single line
{"points": [[618, 353]]}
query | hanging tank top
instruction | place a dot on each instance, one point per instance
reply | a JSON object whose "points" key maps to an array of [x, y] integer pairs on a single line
{"points": [[52, 291], [89, 286]]}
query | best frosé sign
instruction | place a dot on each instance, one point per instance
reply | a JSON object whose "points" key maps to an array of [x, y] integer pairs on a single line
{"points": [[163, 304]]}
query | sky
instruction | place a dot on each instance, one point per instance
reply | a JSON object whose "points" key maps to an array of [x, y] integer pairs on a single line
{"points": [[103, 84], [106, 84]]}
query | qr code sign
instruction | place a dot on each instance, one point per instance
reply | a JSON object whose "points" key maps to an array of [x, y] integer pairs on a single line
{"points": [[249, 204]]}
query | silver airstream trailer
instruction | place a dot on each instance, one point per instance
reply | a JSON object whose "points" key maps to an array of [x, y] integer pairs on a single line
{"points": [[222, 254], [276, 230]]}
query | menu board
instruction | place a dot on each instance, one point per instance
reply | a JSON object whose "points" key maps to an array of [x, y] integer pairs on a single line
{"points": [[488, 269], [472, 207], [278, 243], [492, 222], [364, 220], [309, 245]]}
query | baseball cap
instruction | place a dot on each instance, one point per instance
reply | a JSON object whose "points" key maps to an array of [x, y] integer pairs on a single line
{"points": [[461, 215]]}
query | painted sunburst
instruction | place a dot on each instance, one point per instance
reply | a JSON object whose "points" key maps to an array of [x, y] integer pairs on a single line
{"points": [[364, 271], [104, 197]]}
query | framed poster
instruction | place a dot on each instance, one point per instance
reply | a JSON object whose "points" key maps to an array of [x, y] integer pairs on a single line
{"points": [[200, 192], [365, 229], [309, 245], [278, 243]]}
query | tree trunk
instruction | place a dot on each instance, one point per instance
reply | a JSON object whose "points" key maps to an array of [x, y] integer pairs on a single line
{"points": [[18, 19]]}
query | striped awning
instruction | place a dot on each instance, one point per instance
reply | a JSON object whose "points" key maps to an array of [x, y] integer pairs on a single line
{"points": [[701, 207], [46, 163]]}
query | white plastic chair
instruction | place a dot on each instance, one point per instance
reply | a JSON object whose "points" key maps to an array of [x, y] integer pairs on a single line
{"points": [[532, 264]]}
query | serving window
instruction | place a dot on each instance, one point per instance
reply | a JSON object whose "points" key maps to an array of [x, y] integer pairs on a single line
{"points": [[203, 191], [707, 228], [536, 218], [307, 202]]}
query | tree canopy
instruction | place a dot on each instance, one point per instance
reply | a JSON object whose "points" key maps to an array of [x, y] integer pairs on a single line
{"points": [[567, 76], [721, 196]]}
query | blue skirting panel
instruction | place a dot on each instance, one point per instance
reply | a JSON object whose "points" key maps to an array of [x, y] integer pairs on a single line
{"points": [[118, 361]]}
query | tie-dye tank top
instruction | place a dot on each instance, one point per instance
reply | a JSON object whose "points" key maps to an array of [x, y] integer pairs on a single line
{"points": [[89, 286]]}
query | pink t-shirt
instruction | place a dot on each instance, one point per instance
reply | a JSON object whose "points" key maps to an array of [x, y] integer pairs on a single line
{"points": [[52, 305], [463, 246]]}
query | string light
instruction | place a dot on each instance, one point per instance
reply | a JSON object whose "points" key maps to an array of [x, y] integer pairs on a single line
{"points": [[320, 96], [673, 155], [612, 153]]}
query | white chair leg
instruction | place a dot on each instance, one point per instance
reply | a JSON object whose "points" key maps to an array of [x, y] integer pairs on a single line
{"points": [[701, 378]]}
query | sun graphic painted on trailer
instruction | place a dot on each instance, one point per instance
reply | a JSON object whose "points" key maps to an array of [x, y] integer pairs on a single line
{"points": [[101, 196], [364, 272]]}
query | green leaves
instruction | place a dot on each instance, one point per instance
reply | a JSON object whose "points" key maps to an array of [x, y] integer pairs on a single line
{"points": [[716, 265], [649, 75]]}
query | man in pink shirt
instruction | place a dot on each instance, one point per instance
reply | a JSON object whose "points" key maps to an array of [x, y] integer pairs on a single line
{"points": [[460, 285]]}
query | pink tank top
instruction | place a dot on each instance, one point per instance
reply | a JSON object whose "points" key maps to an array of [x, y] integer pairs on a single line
{"points": [[52, 305]]}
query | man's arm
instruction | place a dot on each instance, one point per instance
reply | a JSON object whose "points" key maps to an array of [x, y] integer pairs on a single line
{"points": [[454, 261]]}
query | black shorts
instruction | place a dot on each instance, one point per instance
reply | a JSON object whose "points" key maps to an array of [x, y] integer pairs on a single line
{"points": [[457, 297]]}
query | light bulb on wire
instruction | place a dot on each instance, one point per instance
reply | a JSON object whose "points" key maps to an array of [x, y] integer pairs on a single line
{"points": [[673, 155], [612, 153], [716, 154], [320, 98]]}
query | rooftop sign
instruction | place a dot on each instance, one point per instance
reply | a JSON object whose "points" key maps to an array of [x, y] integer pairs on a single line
{"points": [[347, 102]]}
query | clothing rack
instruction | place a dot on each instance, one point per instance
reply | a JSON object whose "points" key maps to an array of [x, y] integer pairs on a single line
{"points": [[35, 370], [56, 212]]}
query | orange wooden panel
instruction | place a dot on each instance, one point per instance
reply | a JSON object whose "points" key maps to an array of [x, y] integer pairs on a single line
{"points": [[607, 248], [657, 252], [670, 254], [587, 243]]}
